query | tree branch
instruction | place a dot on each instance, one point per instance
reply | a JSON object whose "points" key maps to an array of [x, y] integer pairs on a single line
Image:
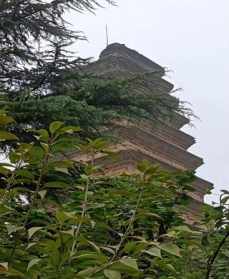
{"points": [[212, 258]]}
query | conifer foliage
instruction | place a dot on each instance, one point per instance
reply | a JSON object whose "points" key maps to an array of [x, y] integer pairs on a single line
{"points": [[32, 37], [42, 81]]}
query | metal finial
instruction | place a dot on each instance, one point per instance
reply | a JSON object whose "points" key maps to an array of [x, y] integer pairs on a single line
{"points": [[107, 35]]}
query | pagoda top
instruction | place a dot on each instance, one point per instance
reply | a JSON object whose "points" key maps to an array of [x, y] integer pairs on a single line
{"points": [[120, 50]]}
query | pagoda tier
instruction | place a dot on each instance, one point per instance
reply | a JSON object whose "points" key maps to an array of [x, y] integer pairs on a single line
{"points": [[114, 67], [160, 141], [143, 62], [146, 81], [126, 160], [177, 121], [166, 133], [159, 148]]}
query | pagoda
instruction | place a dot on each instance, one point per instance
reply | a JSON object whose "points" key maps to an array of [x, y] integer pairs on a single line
{"points": [[162, 142]]}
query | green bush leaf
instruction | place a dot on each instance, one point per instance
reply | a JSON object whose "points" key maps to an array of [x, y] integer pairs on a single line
{"points": [[170, 248], [69, 130], [4, 209], [25, 173], [43, 135], [86, 272], [7, 136], [96, 257], [5, 120], [154, 251], [112, 274], [33, 230], [56, 184], [126, 265], [183, 229], [171, 268], [36, 154], [54, 126], [4, 171], [62, 216], [31, 245], [32, 263], [12, 228], [42, 194]]}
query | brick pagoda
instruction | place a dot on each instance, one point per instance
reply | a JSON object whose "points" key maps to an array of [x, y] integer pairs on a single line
{"points": [[161, 142]]}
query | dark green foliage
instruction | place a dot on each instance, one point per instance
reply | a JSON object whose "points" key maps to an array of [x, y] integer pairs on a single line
{"points": [[27, 28], [41, 81], [92, 103], [38, 113], [35, 62], [60, 220]]}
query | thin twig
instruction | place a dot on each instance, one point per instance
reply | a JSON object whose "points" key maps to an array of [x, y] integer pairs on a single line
{"points": [[212, 258], [84, 210], [131, 221]]}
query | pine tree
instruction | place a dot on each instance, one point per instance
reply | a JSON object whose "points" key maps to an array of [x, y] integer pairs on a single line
{"points": [[33, 35], [41, 80], [35, 62]]}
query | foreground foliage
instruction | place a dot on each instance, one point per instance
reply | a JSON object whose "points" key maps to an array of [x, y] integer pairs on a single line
{"points": [[64, 219], [60, 220]]}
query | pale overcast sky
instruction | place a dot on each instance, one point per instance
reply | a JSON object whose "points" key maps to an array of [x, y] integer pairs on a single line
{"points": [[191, 38]]}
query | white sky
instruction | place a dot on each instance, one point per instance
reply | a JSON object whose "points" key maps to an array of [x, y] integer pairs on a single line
{"points": [[191, 38]]}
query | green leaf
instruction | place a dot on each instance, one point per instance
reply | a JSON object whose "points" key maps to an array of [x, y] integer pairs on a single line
{"points": [[62, 216], [69, 130], [170, 248], [63, 170], [4, 209], [152, 215], [112, 274], [97, 257], [12, 228], [135, 248], [69, 232], [183, 229], [127, 265], [43, 135], [130, 247], [36, 154], [7, 136], [61, 166], [32, 263], [31, 245], [171, 268], [13, 273], [5, 120], [143, 165], [54, 126], [45, 146], [4, 171], [56, 184], [85, 241], [42, 194], [154, 251], [84, 177], [24, 173], [33, 230], [86, 272]]}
